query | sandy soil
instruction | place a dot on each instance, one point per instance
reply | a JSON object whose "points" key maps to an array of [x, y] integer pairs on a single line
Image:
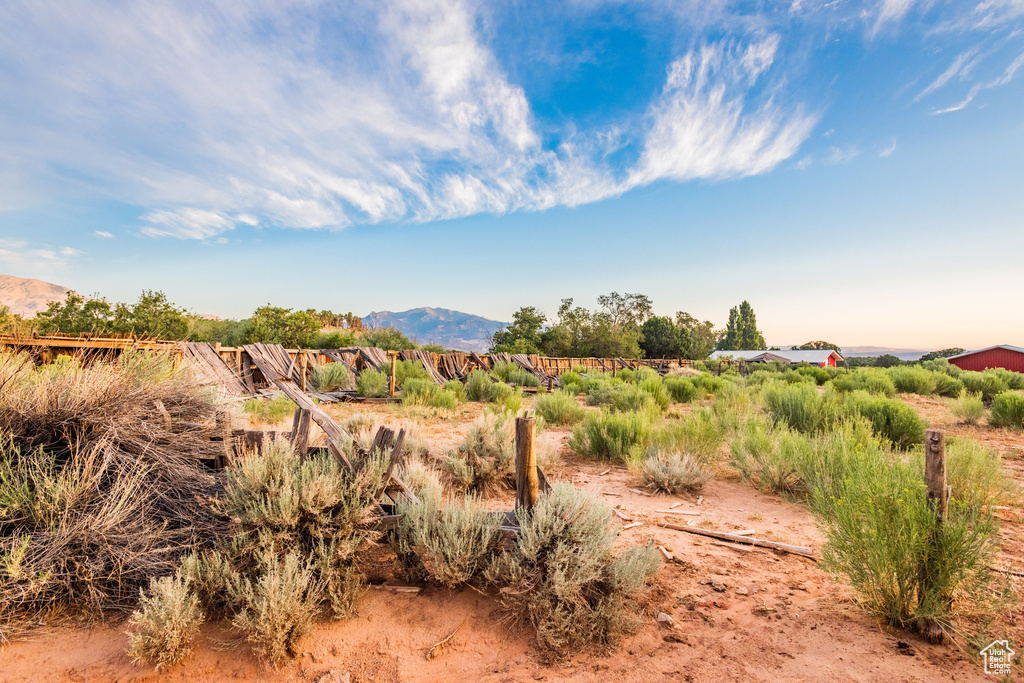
{"points": [[739, 613]]}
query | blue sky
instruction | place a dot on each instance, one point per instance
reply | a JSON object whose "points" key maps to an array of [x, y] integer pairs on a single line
{"points": [[855, 170]]}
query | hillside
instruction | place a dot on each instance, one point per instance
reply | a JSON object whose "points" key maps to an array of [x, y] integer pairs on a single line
{"points": [[26, 297], [451, 329]]}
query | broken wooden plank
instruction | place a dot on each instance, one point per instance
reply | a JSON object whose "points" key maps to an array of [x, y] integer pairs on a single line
{"points": [[748, 540]]}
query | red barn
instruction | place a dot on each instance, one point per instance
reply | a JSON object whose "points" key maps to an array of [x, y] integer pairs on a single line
{"points": [[1002, 356]]}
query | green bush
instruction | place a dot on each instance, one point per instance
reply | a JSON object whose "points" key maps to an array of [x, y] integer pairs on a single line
{"points": [[269, 410], [565, 577], [485, 460], [681, 389], [372, 384], [698, 434], [632, 399], [986, 383], [455, 542], [976, 474], [571, 377], [655, 388], [164, 627], [610, 436], [559, 408], [800, 407], [408, 369], [1008, 410], [947, 385], [773, 461], [707, 384], [456, 389], [626, 375], [912, 380], [478, 386], [1013, 380], [872, 380], [601, 393], [882, 535], [331, 377], [417, 391], [819, 375], [674, 473], [890, 418], [968, 407], [513, 374]]}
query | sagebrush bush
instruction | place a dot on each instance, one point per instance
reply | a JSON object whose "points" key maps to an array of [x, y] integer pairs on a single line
{"points": [[1008, 410], [564, 577], [454, 542], [478, 386], [674, 473], [163, 629], [610, 436], [268, 410], [513, 374], [331, 377], [277, 607], [559, 407], [681, 389], [987, 383], [485, 460], [891, 418], [968, 407], [423, 392], [601, 393], [421, 477], [372, 384]]}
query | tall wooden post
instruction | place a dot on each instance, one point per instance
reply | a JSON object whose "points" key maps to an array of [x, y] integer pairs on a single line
{"points": [[527, 481], [300, 432], [394, 362], [551, 383], [938, 499], [302, 370]]}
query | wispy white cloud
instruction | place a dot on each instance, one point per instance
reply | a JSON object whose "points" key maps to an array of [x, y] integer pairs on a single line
{"points": [[1003, 79], [960, 68], [838, 155], [35, 257], [215, 122], [103, 234], [888, 150]]}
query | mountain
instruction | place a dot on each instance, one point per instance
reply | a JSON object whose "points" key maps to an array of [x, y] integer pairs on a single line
{"points": [[27, 297], [902, 354], [451, 329]]}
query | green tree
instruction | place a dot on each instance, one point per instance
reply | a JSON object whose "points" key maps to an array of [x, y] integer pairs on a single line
{"points": [[151, 316], [944, 353], [387, 338], [275, 325], [75, 315], [741, 332], [818, 346], [625, 310], [887, 360], [523, 335], [697, 339], [661, 338]]}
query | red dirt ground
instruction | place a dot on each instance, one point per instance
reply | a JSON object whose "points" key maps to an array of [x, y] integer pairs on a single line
{"points": [[741, 614]]}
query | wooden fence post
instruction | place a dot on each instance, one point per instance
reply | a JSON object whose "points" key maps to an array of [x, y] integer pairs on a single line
{"points": [[527, 481], [394, 362], [303, 362], [938, 499], [300, 432]]}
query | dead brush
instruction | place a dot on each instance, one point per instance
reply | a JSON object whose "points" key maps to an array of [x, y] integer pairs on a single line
{"points": [[100, 489]]}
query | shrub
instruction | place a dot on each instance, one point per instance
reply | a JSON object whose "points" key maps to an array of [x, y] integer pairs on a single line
{"points": [[632, 399], [485, 460], [1013, 380], [947, 385], [277, 609], [976, 474], [600, 393], [610, 436], [513, 374], [270, 410], [421, 478], [698, 434], [559, 408], [456, 389], [882, 535], [331, 377], [510, 401], [912, 380], [478, 386], [564, 576], [985, 383], [655, 388], [819, 375], [162, 630], [1008, 410], [571, 377], [872, 380], [444, 400], [772, 462], [417, 391], [800, 407], [707, 384], [681, 389], [674, 473], [455, 542], [626, 375], [408, 369], [372, 384], [968, 407], [890, 418]]}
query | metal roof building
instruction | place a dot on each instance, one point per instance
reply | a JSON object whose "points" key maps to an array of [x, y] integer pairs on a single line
{"points": [[1001, 356]]}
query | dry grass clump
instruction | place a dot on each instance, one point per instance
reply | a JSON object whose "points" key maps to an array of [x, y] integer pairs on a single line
{"points": [[968, 407], [563, 576], [269, 410], [674, 473], [164, 627], [97, 494]]}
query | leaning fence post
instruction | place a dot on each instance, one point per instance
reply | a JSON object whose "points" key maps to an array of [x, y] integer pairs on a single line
{"points": [[938, 498], [527, 481]]}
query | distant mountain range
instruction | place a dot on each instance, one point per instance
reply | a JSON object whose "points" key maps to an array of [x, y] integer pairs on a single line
{"points": [[902, 354], [26, 297], [451, 329]]}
